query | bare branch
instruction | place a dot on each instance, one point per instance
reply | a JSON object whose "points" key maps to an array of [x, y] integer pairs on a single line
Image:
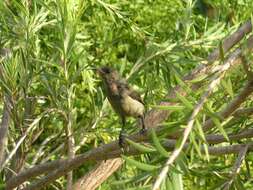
{"points": [[233, 105], [230, 41], [236, 167], [246, 67], [22, 138], [71, 147], [243, 112], [4, 130], [99, 174], [215, 139]]}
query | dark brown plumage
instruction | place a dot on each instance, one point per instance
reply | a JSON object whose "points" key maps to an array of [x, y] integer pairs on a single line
{"points": [[124, 100]]}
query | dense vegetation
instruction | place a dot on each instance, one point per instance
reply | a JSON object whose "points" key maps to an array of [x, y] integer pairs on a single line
{"points": [[53, 105]]}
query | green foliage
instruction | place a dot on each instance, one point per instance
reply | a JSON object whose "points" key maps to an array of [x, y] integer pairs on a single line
{"points": [[49, 49]]}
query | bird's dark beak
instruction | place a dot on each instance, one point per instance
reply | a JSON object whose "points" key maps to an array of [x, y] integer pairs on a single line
{"points": [[99, 71]]}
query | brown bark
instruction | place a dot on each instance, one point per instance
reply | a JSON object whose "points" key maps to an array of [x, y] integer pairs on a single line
{"points": [[4, 130], [98, 175], [230, 41], [71, 145]]}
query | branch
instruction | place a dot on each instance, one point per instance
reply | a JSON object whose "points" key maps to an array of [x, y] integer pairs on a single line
{"points": [[215, 151], [236, 167], [22, 138], [215, 139], [243, 112], [230, 41], [4, 130], [233, 105], [99, 174], [71, 146]]}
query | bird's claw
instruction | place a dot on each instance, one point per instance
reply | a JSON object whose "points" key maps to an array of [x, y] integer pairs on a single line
{"points": [[121, 139], [143, 131]]}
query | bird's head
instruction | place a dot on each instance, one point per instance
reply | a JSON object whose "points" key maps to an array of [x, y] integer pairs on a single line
{"points": [[108, 74]]}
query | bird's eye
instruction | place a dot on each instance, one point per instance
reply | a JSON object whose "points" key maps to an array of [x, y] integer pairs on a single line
{"points": [[106, 70]]}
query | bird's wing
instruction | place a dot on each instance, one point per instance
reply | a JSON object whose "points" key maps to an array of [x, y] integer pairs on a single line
{"points": [[135, 95], [132, 93]]}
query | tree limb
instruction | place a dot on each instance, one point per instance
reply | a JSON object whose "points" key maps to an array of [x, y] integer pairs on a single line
{"points": [[4, 130], [236, 167], [99, 174]]}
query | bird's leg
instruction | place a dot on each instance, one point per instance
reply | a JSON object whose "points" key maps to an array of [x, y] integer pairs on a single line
{"points": [[143, 127], [121, 134]]}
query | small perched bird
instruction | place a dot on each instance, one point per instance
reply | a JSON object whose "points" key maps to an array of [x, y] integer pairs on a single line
{"points": [[124, 100]]}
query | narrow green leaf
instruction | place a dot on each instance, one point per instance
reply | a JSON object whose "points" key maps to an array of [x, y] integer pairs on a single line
{"points": [[228, 87], [140, 147], [186, 102], [179, 142], [209, 111], [140, 165], [182, 83], [175, 169], [238, 183], [206, 152], [201, 134], [195, 144], [177, 180], [172, 108], [198, 78], [157, 144], [181, 161], [221, 129], [200, 130]]}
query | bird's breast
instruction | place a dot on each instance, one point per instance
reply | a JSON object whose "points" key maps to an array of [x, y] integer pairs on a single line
{"points": [[132, 107]]}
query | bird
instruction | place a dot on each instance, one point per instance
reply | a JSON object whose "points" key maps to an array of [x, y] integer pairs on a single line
{"points": [[125, 101]]}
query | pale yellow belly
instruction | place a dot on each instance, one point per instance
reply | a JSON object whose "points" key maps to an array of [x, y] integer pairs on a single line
{"points": [[132, 107]]}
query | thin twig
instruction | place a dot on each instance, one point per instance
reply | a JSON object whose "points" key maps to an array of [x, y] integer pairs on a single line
{"points": [[243, 112], [246, 67], [22, 138], [71, 147], [233, 105], [236, 167], [230, 41], [100, 173], [4, 130], [215, 139], [43, 144]]}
